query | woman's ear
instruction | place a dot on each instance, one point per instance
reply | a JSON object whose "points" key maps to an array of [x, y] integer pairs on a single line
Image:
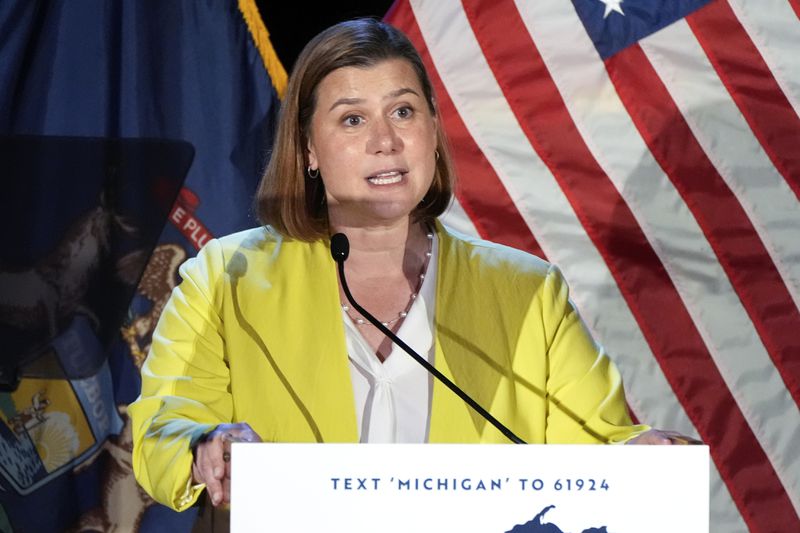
{"points": [[436, 123], [311, 155]]}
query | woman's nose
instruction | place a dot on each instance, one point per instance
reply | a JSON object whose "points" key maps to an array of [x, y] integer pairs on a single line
{"points": [[384, 138]]}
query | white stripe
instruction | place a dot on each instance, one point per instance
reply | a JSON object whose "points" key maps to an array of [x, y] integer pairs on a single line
{"points": [[673, 233], [722, 131], [724, 135], [774, 29], [541, 202], [456, 218]]}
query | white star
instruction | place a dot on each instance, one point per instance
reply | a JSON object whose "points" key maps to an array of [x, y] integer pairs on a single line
{"points": [[612, 5]]}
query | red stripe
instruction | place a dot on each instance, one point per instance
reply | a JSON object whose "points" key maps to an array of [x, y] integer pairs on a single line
{"points": [[641, 277], [480, 191], [725, 224], [749, 80], [796, 6], [634, 417]]}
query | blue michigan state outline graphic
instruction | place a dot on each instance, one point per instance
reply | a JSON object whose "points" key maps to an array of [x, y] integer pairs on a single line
{"points": [[535, 525]]}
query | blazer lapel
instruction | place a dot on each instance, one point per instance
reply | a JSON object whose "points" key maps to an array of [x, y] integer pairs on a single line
{"points": [[458, 356], [297, 313]]}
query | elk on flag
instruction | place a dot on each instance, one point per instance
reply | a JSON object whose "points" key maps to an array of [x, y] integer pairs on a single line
{"points": [[651, 149]]}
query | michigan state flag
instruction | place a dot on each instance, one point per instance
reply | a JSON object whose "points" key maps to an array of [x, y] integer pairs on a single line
{"points": [[131, 133]]}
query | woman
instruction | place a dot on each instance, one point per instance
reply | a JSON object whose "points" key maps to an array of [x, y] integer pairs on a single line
{"points": [[259, 342]]}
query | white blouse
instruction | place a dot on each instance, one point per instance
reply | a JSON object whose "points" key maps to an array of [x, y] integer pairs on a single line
{"points": [[393, 398]]}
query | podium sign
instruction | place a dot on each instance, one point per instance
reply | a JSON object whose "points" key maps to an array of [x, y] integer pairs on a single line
{"points": [[469, 488]]}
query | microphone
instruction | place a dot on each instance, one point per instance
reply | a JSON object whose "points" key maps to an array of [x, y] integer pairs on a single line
{"points": [[340, 250]]}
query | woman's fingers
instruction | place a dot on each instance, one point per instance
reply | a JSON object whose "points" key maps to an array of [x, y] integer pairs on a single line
{"points": [[656, 436], [226, 490], [226, 455], [242, 433], [211, 467], [653, 436], [212, 464], [678, 438], [215, 458]]}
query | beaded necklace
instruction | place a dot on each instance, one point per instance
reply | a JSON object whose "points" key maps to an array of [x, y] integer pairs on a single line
{"points": [[358, 321]]}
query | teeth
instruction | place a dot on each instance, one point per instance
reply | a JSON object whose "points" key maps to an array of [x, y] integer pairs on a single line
{"points": [[385, 178]]}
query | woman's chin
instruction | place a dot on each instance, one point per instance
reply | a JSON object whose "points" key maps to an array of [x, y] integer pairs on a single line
{"points": [[375, 214]]}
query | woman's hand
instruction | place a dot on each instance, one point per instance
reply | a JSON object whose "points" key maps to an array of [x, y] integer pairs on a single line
{"points": [[657, 436], [212, 459]]}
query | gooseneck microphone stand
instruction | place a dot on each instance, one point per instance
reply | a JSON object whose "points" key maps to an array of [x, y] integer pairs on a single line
{"points": [[340, 250]]}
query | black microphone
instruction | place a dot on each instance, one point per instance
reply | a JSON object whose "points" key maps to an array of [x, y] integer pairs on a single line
{"points": [[340, 250]]}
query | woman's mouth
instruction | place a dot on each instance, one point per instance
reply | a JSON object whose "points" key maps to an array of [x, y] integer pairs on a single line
{"points": [[386, 178]]}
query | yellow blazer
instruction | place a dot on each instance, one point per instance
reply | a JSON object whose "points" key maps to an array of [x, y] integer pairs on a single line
{"points": [[254, 333]]}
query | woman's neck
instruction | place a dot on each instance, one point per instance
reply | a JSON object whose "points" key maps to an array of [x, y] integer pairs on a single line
{"points": [[385, 250]]}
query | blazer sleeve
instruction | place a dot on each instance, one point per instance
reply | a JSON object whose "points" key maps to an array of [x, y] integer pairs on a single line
{"points": [[585, 397], [185, 383]]}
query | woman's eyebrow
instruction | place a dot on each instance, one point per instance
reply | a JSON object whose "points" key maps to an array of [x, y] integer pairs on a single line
{"points": [[394, 94]]}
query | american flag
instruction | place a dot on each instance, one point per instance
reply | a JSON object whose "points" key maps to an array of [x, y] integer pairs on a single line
{"points": [[651, 149]]}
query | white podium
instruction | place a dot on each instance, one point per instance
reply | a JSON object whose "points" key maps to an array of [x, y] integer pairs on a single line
{"points": [[469, 488]]}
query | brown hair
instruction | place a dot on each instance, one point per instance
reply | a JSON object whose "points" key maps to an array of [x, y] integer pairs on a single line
{"points": [[287, 199]]}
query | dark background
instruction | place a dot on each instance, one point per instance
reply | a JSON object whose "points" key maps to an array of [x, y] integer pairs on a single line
{"points": [[291, 24]]}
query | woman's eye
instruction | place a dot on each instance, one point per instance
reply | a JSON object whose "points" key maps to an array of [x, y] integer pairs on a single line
{"points": [[404, 112], [352, 120]]}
